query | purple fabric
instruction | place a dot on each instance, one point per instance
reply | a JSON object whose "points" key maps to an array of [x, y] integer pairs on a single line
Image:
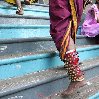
{"points": [[90, 26], [60, 15]]}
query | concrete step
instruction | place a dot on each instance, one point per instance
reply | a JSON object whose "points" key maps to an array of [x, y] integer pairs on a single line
{"points": [[22, 46], [40, 85], [38, 14], [89, 91], [16, 31], [24, 63], [34, 28], [8, 12], [13, 18], [23, 31], [24, 20], [4, 10], [33, 44], [35, 6], [43, 6]]}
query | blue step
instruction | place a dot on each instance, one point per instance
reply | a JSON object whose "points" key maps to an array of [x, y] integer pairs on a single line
{"points": [[29, 12], [30, 33], [18, 66], [23, 31], [23, 20], [29, 62], [39, 85], [34, 45], [24, 46]]}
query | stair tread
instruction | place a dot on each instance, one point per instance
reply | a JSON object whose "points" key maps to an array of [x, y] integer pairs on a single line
{"points": [[32, 79], [25, 9], [27, 39], [27, 31], [28, 12], [30, 37], [84, 92], [32, 29], [27, 54], [21, 20], [24, 16], [46, 51], [36, 78]]}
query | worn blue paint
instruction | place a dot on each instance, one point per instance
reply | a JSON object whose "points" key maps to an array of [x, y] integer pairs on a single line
{"points": [[22, 26], [26, 9], [24, 31], [19, 66], [55, 84], [89, 52], [12, 10], [96, 96]]}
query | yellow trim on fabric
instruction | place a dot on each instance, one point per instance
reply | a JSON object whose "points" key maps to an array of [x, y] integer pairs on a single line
{"points": [[64, 46], [10, 1], [74, 17], [66, 34]]}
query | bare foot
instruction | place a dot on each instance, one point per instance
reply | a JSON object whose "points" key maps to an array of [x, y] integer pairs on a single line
{"points": [[73, 86]]}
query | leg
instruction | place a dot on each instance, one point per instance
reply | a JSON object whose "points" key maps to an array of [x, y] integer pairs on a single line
{"points": [[74, 72], [19, 7], [71, 45], [60, 29]]}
